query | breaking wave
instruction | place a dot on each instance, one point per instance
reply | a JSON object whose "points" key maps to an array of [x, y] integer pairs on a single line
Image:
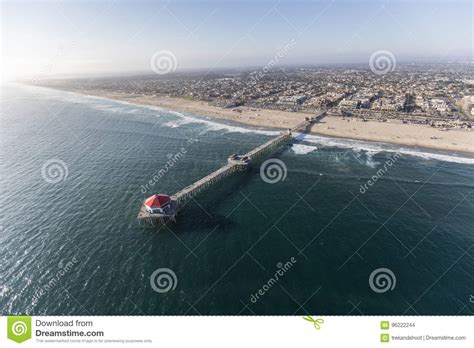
{"points": [[371, 149], [301, 149], [213, 125]]}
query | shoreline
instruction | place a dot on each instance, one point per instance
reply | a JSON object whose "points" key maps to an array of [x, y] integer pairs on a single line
{"points": [[397, 133]]}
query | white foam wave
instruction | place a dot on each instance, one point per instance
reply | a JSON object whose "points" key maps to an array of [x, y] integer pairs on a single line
{"points": [[113, 105], [301, 149], [171, 124], [177, 122], [373, 148], [183, 119], [438, 156], [370, 159], [213, 125]]}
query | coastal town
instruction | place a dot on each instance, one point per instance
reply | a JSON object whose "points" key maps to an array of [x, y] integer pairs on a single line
{"points": [[438, 95]]}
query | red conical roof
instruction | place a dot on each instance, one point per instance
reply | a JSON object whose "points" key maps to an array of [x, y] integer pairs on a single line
{"points": [[158, 201]]}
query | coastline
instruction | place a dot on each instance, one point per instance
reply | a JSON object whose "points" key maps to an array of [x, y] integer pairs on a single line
{"points": [[395, 132]]}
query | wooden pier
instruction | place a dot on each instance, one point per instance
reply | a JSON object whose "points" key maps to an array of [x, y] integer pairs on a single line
{"points": [[183, 196], [234, 163]]}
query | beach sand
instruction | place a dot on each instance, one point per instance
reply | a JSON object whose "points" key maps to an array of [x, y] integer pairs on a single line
{"points": [[395, 132]]}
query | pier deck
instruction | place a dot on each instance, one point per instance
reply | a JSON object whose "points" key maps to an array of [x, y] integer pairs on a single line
{"points": [[189, 191], [269, 144]]}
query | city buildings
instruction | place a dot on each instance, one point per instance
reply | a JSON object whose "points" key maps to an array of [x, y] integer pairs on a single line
{"points": [[436, 94]]}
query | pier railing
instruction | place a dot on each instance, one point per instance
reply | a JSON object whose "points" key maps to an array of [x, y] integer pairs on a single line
{"points": [[183, 196]]}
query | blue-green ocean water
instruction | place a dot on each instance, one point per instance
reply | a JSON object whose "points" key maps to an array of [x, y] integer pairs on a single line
{"points": [[75, 247]]}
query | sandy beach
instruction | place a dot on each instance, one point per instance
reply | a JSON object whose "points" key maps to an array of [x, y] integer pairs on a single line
{"points": [[394, 132]]}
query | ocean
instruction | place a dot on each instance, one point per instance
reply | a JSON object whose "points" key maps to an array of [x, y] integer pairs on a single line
{"points": [[334, 226]]}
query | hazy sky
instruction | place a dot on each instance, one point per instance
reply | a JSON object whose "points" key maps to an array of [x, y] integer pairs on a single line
{"points": [[49, 38]]}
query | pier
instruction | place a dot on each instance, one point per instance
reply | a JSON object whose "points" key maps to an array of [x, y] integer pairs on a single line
{"points": [[150, 213]]}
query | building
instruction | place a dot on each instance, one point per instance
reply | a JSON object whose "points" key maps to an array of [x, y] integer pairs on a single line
{"points": [[348, 104], [439, 105], [292, 100], [157, 203], [389, 104]]}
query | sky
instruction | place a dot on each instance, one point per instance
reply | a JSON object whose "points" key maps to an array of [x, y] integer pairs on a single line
{"points": [[44, 39]]}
